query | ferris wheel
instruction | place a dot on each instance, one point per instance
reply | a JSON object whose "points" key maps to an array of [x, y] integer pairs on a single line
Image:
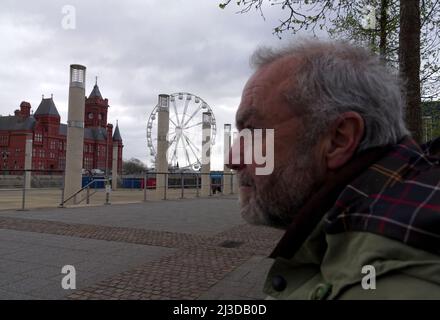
{"points": [[185, 130]]}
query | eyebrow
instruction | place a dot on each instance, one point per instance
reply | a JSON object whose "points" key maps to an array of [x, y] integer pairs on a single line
{"points": [[246, 116]]}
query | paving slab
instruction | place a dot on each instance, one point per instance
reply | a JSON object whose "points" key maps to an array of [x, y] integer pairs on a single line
{"points": [[36, 273], [178, 249]]}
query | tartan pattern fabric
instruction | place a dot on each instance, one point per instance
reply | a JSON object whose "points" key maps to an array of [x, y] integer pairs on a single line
{"points": [[397, 197]]}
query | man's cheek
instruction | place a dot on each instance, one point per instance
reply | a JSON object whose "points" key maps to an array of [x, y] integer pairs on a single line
{"points": [[261, 182]]}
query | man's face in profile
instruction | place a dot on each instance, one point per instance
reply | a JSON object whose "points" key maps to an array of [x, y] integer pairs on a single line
{"points": [[274, 199]]}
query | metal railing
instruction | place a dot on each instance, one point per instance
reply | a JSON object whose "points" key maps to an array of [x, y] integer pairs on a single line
{"points": [[21, 176], [47, 188], [88, 195], [187, 183]]}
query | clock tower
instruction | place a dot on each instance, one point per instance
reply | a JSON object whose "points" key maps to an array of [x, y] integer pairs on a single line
{"points": [[96, 109]]}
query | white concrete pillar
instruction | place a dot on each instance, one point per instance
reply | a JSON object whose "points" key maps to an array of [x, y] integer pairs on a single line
{"points": [[227, 178], [115, 166], [234, 183], [206, 155], [28, 159], [163, 117], [75, 132]]}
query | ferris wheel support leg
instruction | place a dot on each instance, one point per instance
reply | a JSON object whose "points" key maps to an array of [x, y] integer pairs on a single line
{"points": [[163, 116]]}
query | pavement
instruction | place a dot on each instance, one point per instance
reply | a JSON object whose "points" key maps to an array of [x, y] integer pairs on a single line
{"points": [[174, 249]]}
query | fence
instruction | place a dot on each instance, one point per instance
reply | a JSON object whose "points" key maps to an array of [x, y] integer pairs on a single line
{"points": [[47, 188], [430, 120]]}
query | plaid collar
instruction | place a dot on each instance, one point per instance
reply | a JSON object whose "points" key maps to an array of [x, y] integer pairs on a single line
{"points": [[392, 191], [397, 197]]}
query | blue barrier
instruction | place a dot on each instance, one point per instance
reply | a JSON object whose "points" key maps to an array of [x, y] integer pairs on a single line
{"points": [[97, 185], [132, 183]]}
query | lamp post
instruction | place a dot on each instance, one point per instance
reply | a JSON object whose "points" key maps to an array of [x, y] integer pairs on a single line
{"points": [[227, 178]]}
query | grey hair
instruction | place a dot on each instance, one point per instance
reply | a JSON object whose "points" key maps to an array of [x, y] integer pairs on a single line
{"points": [[336, 77]]}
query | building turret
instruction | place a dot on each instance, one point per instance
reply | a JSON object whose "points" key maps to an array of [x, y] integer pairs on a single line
{"points": [[96, 109], [117, 141], [47, 117]]}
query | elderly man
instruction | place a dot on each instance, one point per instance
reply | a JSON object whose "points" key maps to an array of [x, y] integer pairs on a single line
{"points": [[358, 198]]}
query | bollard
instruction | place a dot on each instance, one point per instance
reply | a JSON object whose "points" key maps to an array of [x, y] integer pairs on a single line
{"points": [[182, 184], [210, 185], [24, 192], [107, 193], [197, 185], [165, 186], [145, 186], [62, 193], [88, 195], [232, 183]]}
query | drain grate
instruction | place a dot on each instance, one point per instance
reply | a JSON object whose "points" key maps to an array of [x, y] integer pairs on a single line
{"points": [[230, 244]]}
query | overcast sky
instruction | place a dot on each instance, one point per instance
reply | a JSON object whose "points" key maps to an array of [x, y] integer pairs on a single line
{"points": [[138, 49]]}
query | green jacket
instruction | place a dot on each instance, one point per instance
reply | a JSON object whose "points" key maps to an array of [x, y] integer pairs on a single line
{"points": [[330, 267], [377, 218]]}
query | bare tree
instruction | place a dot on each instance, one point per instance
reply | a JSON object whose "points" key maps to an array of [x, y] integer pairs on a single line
{"points": [[409, 63], [343, 18], [133, 166]]}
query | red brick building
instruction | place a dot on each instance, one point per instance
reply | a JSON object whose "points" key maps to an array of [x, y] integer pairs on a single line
{"points": [[49, 136]]}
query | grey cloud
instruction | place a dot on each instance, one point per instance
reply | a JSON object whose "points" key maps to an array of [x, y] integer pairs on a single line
{"points": [[138, 49]]}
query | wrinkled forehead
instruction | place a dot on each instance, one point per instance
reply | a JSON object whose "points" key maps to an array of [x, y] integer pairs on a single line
{"points": [[266, 90]]}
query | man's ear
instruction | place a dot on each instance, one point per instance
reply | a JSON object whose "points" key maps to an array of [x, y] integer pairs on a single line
{"points": [[345, 137]]}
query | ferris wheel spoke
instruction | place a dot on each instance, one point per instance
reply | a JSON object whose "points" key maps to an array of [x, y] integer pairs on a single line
{"points": [[192, 116], [172, 141], [184, 110], [190, 147], [175, 111], [175, 148], [191, 143], [171, 120], [194, 125], [186, 152]]}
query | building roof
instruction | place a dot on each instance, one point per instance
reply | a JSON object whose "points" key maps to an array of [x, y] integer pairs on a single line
{"points": [[117, 134], [89, 133], [95, 92], [47, 107], [12, 123]]}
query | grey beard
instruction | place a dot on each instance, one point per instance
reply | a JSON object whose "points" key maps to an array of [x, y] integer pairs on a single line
{"points": [[277, 202]]}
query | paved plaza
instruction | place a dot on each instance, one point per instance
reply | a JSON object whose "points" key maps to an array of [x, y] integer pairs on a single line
{"points": [[175, 249]]}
